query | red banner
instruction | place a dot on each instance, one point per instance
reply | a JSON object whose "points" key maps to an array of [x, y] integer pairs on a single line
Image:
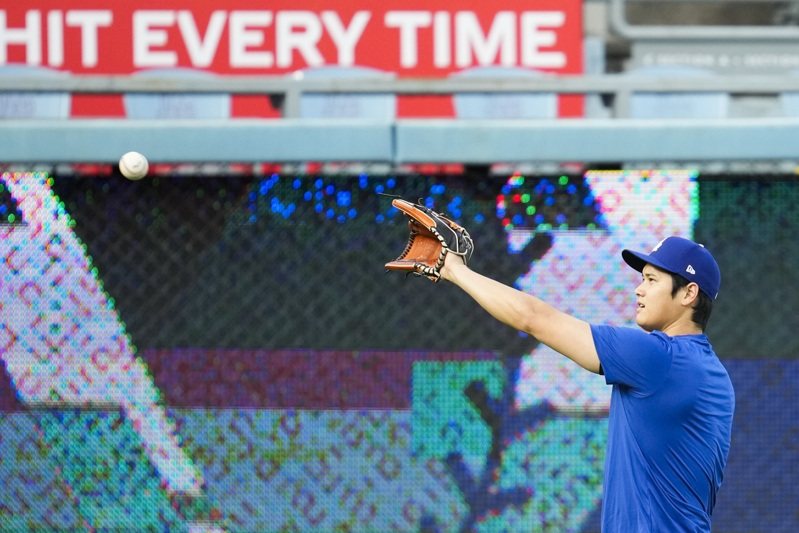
{"points": [[431, 38]]}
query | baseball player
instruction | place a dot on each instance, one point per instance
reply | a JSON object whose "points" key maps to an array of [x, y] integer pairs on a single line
{"points": [[672, 403]]}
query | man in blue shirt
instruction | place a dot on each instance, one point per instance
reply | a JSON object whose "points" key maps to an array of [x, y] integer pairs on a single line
{"points": [[672, 402]]}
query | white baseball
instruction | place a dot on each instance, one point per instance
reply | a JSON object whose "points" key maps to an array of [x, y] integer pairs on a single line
{"points": [[133, 165]]}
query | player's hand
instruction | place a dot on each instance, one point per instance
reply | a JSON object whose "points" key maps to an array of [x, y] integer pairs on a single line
{"points": [[452, 263]]}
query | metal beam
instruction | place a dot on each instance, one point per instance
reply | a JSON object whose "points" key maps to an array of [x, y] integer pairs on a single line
{"points": [[195, 140], [405, 141], [616, 140], [564, 84]]}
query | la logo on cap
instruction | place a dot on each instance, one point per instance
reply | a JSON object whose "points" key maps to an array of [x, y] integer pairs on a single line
{"points": [[658, 245]]}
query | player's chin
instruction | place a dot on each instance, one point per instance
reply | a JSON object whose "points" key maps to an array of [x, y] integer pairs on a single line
{"points": [[642, 322]]}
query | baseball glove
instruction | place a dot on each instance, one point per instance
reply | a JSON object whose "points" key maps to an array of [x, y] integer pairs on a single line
{"points": [[432, 237]]}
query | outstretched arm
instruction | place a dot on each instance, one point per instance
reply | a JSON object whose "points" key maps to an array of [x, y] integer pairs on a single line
{"points": [[524, 312]]}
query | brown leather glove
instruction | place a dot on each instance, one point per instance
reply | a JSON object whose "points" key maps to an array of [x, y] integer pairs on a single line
{"points": [[432, 237]]}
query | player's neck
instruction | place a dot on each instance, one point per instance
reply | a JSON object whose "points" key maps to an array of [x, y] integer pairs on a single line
{"points": [[682, 326]]}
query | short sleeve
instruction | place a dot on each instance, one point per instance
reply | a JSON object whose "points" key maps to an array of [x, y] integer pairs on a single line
{"points": [[632, 357]]}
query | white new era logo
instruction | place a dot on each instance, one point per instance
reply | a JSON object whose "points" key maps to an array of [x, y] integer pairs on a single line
{"points": [[690, 270]]}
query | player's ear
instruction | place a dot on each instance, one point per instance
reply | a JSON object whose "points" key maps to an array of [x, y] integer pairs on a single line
{"points": [[690, 294]]}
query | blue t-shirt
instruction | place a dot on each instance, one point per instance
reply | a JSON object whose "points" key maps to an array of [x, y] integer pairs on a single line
{"points": [[669, 430]]}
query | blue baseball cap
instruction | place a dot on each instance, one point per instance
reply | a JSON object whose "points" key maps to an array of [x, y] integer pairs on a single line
{"points": [[682, 257]]}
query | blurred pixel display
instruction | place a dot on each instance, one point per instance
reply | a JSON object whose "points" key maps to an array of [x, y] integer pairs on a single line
{"points": [[227, 353]]}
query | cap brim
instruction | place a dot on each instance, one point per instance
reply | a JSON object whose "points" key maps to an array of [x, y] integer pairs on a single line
{"points": [[638, 260]]}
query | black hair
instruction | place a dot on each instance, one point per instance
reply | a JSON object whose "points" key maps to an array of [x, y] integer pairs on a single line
{"points": [[704, 303]]}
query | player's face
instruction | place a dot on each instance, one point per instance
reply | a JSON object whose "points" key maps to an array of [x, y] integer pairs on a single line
{"points": [[657, 308]]}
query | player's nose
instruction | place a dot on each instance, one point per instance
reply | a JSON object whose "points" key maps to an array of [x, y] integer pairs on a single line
{"points": [[639, 290]]}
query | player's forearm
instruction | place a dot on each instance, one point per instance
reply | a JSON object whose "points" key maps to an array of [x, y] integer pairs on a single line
{"points": [[561, 332], [515, 308]]}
